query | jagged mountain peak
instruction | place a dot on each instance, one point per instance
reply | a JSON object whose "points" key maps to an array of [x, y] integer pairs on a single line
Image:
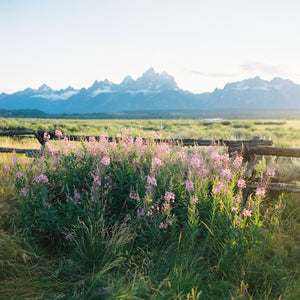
{"points": [[154, 81], [44, 88], [250, 83], [128, 79], [68, 89], [100, 84], [257, 83], [149, 73]]}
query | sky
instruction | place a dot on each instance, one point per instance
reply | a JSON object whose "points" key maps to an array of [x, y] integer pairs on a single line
{"points": [[203, 44]]}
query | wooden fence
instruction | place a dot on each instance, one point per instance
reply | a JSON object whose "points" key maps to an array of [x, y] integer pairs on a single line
{"points": [[39, 135], [248, 148]]}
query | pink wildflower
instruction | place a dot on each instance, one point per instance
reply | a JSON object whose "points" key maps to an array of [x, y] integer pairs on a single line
{"points": [[161, 225], [107, 185], [260, 191], [181, 155], [234, 209], [19, 175], [129, 140], [105, 161], [195, 162], [58, 134], [42, 159], [46, 136], [271, 172], [14, 159], [69, 237], [169, 222], [215, 155], [225, 173], [107, 289], [189, 185], [218, 188], [203, 172], [195, 199], [210, 148], [103, 137], [24, 192], [6, 167], [133, 196], [237, 162], [126, 132], [169, 196], [247, 213], [140, 212], [157, 162], [224, 157], [138, 141], [69, 198], [156, 134], [149, 213], [97, 179], [40, 179], [166, 208], [151, 181], [163, 150], [241, 184], [103, 150]]}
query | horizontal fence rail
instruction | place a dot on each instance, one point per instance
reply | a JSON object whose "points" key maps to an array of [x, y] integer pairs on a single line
{"points": [[275, 151], [27, 152], [278, 187]]}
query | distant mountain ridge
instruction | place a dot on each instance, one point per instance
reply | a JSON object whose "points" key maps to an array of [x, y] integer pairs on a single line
{"points": [[156, 91]]}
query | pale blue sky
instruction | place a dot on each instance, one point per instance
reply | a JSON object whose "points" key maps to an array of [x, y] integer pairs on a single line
{"points": [[203, 44]]}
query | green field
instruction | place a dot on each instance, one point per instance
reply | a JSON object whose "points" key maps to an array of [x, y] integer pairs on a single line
{"points": [[132, 221], [282, 132]]}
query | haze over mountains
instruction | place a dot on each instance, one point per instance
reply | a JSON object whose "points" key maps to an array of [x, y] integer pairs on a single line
{"points": [[157, 92]]}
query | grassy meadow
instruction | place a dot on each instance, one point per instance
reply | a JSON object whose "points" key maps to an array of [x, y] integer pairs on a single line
{"points": [[282, 132], [134, 220]]}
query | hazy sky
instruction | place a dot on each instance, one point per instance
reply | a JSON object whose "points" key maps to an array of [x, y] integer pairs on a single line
{"points": [[203, 43]]}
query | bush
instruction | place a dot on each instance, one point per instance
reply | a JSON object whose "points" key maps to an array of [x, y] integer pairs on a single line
{"points": [[226, 123]]}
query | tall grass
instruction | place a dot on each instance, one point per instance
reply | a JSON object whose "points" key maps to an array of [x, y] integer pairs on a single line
{"points": [[283, 133], [135, 220]]}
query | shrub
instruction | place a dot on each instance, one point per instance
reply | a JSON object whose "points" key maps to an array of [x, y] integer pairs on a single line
{"points": [[226, 123]]}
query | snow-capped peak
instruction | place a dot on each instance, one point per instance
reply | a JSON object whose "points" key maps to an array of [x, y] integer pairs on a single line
{"points": [[44, 88]]}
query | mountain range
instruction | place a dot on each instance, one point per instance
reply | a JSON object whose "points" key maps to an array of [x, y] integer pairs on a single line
{"points": [[157, 92]]}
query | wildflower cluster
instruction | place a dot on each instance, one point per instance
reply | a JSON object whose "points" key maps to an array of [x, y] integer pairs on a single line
{"points": [[40, 179], [154, 188]]}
